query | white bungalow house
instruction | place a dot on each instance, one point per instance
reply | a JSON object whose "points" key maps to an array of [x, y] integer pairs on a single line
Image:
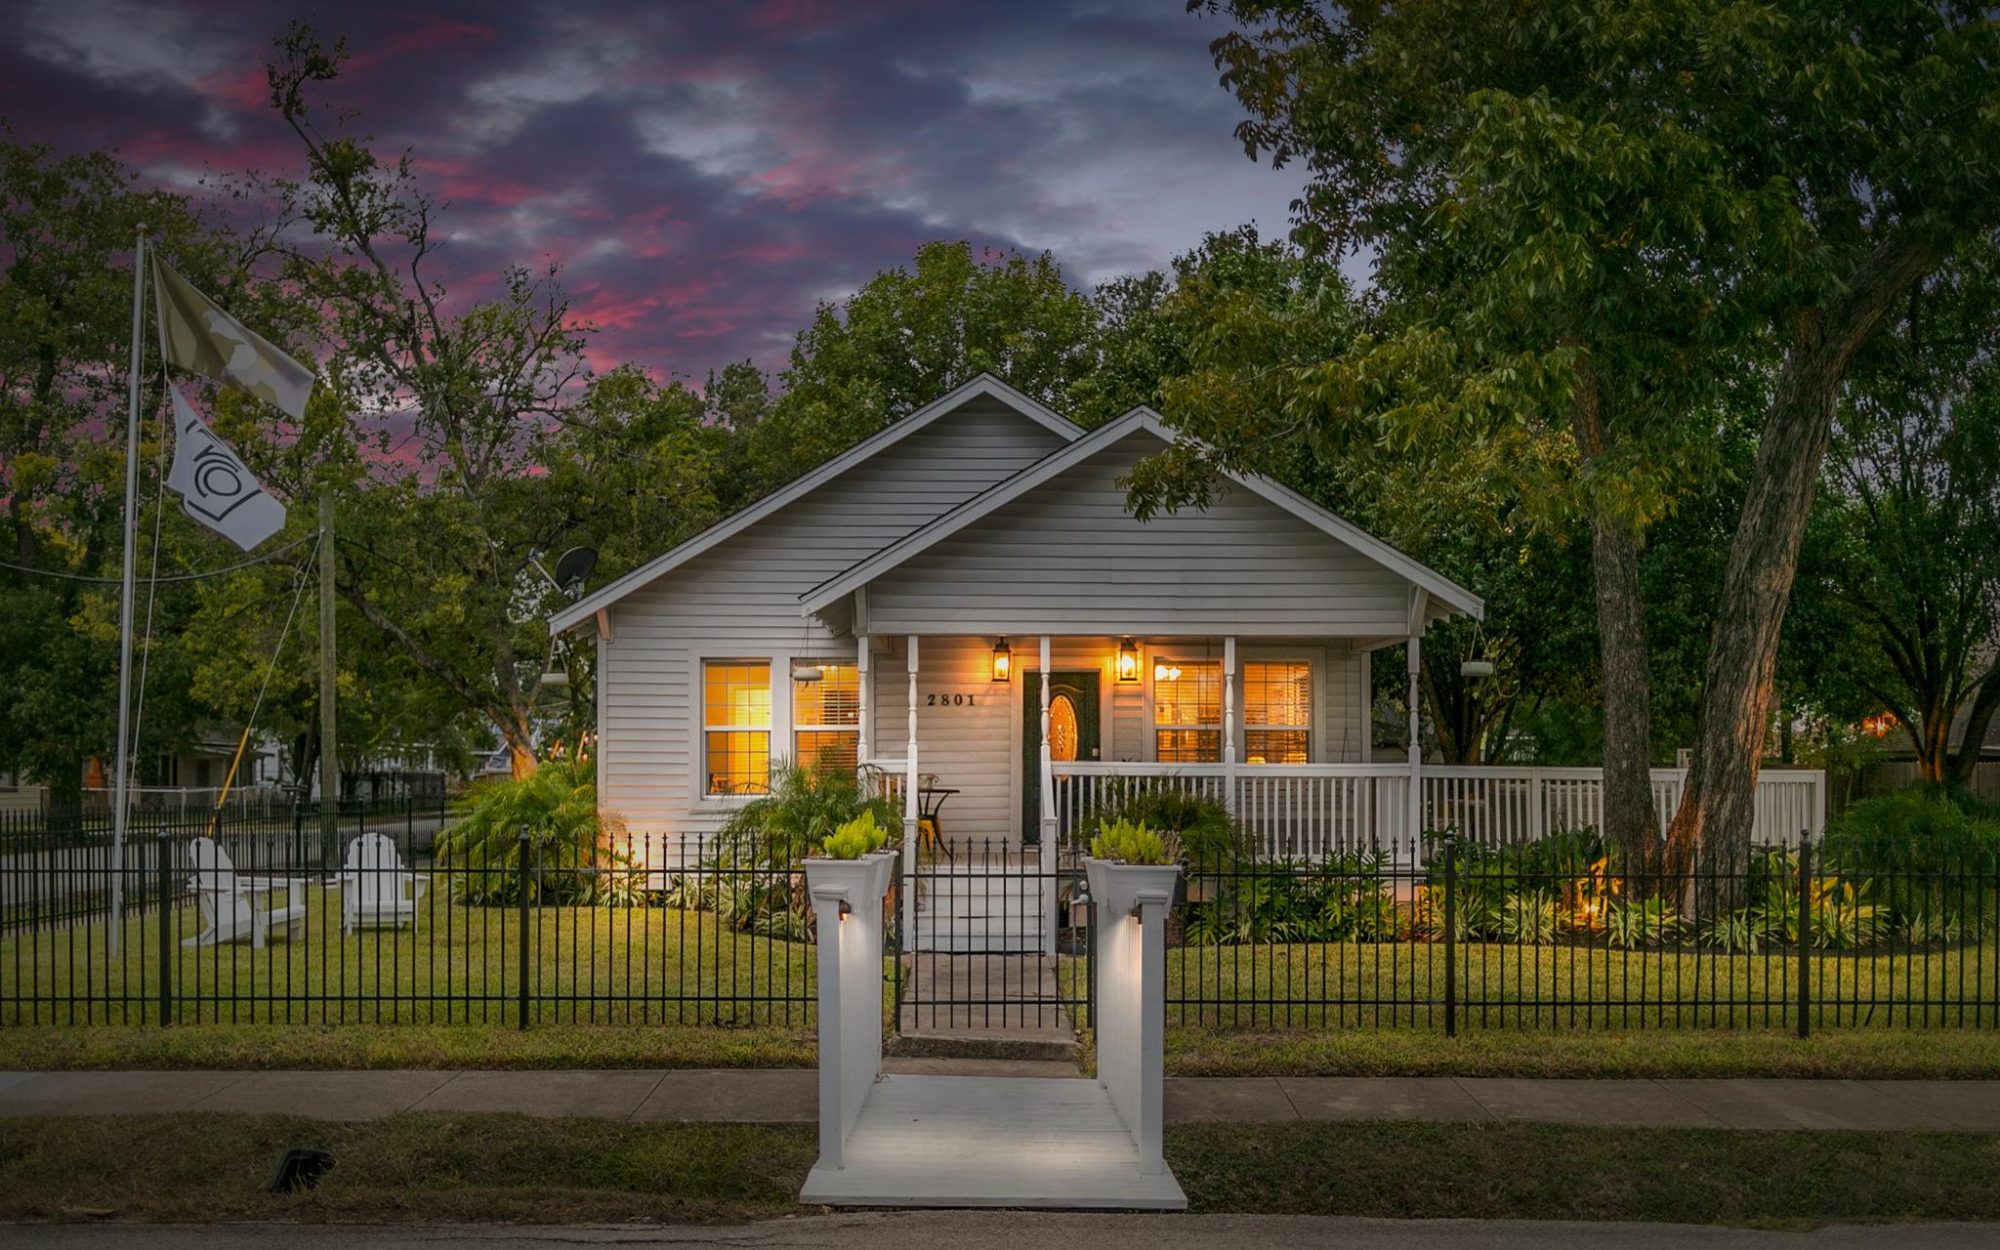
{"points": [[899, 605]]}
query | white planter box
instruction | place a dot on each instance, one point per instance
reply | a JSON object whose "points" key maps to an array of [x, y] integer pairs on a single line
{"points": [[1116, 887], [861, 880]]}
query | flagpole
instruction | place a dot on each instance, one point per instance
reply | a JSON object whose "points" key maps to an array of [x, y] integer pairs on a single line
{"points": [[121, 787]]}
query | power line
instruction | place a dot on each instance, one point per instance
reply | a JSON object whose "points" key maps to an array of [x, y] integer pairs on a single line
{"points": [[266, 558]]}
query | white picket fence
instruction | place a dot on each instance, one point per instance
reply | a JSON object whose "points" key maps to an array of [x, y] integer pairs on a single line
{"points": [[1313, 809]]}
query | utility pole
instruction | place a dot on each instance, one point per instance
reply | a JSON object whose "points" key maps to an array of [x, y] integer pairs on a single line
{"points": [[329, 760]]}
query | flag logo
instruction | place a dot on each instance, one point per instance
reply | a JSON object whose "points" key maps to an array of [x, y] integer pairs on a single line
{"points": [[215, 487]]}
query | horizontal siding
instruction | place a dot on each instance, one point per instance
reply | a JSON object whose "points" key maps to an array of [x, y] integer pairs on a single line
{"points": [[741, 599], [1068, 557]]}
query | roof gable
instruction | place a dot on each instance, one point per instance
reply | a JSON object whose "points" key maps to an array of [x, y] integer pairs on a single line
{"points": [[985, 385], [1440, 589]]}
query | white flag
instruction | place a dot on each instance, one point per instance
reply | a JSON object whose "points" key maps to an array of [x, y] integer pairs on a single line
{"points": [[215, 487], [200, 336]]}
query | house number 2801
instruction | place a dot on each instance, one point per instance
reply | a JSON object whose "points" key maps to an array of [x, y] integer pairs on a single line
{"points": [[948, 700]]}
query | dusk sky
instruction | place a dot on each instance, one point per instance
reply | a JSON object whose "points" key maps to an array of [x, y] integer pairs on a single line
{"points": [[705, 172]]}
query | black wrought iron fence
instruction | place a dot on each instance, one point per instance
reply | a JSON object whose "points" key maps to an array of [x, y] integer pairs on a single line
{"points": [[1560, 934], [399, 926]]}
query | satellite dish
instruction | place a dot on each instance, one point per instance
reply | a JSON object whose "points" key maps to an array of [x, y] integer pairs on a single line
{"points": [[573, 566]]}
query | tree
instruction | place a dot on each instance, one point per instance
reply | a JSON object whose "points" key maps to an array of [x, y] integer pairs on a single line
{"points": [[1597, 220], [908, 336], [1912, 526], [492, 445], [67, 227]]}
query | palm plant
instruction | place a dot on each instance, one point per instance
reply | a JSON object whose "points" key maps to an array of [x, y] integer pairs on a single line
{"points": [[570, 849]]}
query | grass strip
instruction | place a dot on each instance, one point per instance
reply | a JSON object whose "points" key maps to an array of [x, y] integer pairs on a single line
{"points": [[1906, 1054], [1546, 1171], [355, 1046], [416, 1168]]}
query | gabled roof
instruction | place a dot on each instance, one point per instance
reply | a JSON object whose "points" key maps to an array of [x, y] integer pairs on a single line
{"points": [[1052, 466], [984, 385]]}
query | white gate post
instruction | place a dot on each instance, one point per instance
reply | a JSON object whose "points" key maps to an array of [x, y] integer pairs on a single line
{"points": [[1131, 1006], [847, 908]]}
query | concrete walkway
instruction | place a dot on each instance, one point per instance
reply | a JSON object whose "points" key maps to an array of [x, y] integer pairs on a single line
{"points": [[789, 1096]]}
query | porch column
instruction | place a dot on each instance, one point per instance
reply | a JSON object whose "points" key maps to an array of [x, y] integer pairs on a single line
{"points": [[864, 748], [1046, 849], [1416, 816], [1229, 754], [1048, 787], [911, 802]]}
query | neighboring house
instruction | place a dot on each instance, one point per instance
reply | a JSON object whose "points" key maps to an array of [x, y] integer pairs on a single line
{"points": [[892, 607]]}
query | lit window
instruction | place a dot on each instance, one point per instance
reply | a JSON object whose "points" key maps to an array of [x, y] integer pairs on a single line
{"points": [[1187, 712], [1277, 712], [736, 720], [826, 717]]}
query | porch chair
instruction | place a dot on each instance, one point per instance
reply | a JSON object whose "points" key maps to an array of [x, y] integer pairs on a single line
{"points": [[229, 909], [375, 889]]}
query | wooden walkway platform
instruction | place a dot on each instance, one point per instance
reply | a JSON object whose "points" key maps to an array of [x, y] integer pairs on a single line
{"points": [[960, 1141]]}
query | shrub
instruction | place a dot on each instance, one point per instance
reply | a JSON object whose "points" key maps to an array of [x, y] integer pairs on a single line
{"points": [[1209, 836], [1921, 829], [1133, 843], [1531, 918], [858, 837], [571, 857], [806, 806], [1638, 923]]}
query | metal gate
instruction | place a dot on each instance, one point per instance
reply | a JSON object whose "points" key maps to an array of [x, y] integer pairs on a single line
{"points": [[975, 954]]}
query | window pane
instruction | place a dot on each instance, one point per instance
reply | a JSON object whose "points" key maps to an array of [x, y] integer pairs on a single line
{"points": [[739, 762], [834, 748], [1275, 746], [1278, 693], [1192, 698], [835, 699], [738, 695], [1189, 746]]}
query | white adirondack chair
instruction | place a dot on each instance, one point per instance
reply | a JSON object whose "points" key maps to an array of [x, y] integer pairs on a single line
{"points": [[375, 890], [230, 910]]}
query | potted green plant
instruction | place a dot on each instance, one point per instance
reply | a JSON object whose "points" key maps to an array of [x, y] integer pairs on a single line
{"points": [[855, 858], [1128, 859]]}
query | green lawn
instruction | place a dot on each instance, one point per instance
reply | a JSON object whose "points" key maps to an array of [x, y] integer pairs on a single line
{"points": [[1402, 985], [447, 1168], [459, 965]]}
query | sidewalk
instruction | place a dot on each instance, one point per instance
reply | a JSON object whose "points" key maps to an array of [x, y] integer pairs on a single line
{"points": [[788, 1096]]}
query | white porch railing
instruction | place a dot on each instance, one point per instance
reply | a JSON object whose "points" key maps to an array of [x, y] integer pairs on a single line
{"points": [[1313, 809]]}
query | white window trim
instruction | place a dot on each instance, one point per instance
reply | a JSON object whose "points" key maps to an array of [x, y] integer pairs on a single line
{"points": [[1315, 746], [1153, 725], [795, 725], [781, 697]]}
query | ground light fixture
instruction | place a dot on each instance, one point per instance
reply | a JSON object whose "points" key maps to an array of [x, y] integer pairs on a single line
{"points": [[1003, 661], [1128, 660]]}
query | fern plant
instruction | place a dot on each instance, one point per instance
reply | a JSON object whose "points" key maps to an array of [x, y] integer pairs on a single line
{"points": [[1130, 842], [857, 837]]}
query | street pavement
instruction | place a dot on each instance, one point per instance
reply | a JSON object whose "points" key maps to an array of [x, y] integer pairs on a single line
{"points": [[1010, 1230]]}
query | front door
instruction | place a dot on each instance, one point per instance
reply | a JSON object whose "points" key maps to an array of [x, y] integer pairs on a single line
{"points": [[1072, 735]]}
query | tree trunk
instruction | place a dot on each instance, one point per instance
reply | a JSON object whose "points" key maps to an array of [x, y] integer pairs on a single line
{"points": [[520, 750], [1716, 810], [1964, 762], [1621, 649], [1629, 819]]}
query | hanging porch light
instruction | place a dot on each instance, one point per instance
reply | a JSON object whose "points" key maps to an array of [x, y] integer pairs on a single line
{"points": [[1003, 661]]}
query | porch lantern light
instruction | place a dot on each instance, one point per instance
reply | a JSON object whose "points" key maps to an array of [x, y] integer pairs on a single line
{"points": [[1003, 661], [1128, 660]]}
